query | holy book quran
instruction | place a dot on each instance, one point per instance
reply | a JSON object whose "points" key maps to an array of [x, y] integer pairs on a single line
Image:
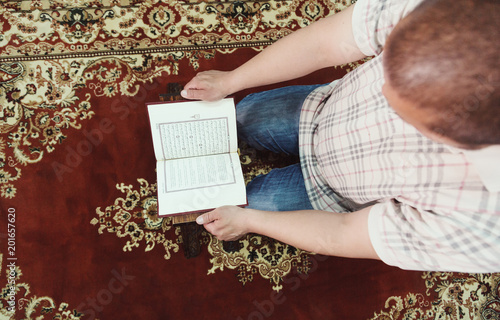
{"points": [[196, 148]]}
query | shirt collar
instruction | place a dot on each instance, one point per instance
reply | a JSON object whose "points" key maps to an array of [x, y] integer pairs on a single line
{"points": [[486, 162]]}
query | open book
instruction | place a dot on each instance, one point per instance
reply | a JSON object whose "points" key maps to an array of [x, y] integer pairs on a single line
{"points": [[198, 166]]}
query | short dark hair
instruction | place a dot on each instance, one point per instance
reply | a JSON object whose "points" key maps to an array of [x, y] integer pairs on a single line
{"points": [[445, 57]]}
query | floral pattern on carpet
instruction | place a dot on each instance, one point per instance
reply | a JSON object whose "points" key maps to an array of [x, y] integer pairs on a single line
{"points": [[448, 296], [256, 254], [135, 218], [83, 28], [41, 101]]}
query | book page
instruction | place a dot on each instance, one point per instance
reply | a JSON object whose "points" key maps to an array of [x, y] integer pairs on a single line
{"points": [[201, 183], [193, 128], [198, 172], [194, 138]]}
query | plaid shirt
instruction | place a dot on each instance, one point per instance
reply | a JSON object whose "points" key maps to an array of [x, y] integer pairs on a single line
{"points": [[434, 207]]}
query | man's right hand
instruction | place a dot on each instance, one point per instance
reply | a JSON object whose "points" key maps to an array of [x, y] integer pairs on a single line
{"points": [[210, 85]]}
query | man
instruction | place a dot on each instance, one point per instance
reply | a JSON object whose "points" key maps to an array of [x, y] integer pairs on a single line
{"points": [[398, 159]]}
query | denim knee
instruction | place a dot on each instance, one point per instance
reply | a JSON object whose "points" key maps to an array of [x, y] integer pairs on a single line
{"points": [[270, 119]]}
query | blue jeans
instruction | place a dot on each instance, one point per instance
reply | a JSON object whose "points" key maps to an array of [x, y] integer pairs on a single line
{"points": [[270, 120]]}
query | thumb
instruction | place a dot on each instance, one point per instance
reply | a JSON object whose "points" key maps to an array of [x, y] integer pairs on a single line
{"points": [[206, 218], [192, 94]]}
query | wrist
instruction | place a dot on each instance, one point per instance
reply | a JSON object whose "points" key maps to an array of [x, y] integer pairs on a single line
{"points": [[232, 82], [251, 220]]}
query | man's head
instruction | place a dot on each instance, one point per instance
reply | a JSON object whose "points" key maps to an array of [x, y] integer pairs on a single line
{"points": [[442, 70]]}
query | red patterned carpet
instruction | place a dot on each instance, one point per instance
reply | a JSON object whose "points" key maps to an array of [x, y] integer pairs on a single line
{"points": [[79, 233]]}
